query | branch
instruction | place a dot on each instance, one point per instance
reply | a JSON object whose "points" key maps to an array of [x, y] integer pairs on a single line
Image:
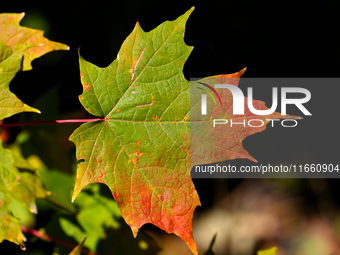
{"points": [[48, 238], [49, 122]]}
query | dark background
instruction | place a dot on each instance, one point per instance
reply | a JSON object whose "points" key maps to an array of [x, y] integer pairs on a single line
{"points": [[271, 39]]}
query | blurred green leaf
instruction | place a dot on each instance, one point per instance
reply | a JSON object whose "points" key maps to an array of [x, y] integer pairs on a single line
{"points": [[98, 218], [24, 187], [96, 213], [59, 184]]}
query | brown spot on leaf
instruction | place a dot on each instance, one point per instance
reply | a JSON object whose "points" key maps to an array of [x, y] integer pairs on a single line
{"points": [[87, 86], [134, 86], [154, 116], [118, 110], [81, 97], [162, 198], [81, 75], [177, 28], [138, 143], [138, 153], [176, 64]]}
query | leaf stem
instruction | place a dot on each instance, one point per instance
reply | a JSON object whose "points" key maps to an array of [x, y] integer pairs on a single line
{"points": [[56, 204], [49, 122], [46, 237]]}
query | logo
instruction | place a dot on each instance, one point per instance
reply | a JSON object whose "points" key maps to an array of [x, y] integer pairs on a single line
{"points": [[204, 97], [238, 103]]}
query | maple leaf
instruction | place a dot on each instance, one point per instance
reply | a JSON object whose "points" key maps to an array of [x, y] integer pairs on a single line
{"points": [[19, 46], [12, 34], [141, 147]]}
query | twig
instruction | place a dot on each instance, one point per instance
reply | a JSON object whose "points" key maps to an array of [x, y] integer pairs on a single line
{"points": [[49, 122], [48, 238]]}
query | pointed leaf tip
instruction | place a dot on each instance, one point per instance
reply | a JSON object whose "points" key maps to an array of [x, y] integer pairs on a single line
{"points": [[134, 231], [74, 196], [190, 10], [77, 250]]}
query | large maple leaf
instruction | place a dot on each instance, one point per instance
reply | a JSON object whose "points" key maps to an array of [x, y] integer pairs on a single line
{"points": [[141, 146]]}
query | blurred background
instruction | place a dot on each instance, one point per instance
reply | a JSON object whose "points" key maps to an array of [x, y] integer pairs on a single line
{"points": [[299, 216]]}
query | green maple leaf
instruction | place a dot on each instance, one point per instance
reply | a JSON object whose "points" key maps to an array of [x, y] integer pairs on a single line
{"points": [[141, 147], [19, 46]]}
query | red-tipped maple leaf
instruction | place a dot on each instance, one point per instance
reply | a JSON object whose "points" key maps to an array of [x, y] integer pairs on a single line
{"points": [[141, 147]]}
